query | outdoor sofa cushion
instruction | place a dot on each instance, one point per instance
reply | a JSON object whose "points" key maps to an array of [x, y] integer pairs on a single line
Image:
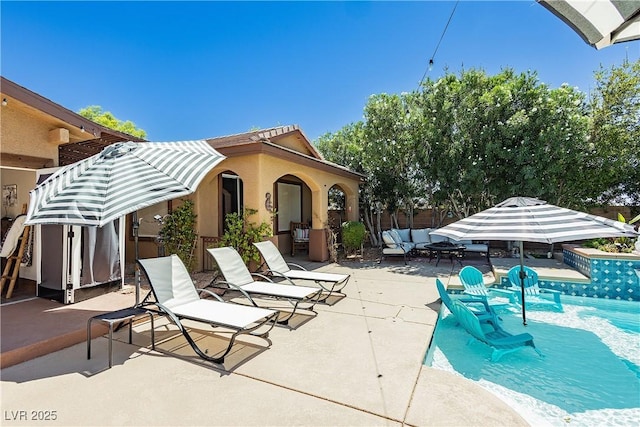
{"points": [[394, 244], [388, 240], [395, 248], [420, 237], [473, 247], [435, 238], [404, 233], [407, 246]]}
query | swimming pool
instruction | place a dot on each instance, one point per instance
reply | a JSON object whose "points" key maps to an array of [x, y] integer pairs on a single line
{"points": [[590, 375]]}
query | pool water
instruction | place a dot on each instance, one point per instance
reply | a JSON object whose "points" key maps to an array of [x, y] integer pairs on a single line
{"points": [[590, 375]]}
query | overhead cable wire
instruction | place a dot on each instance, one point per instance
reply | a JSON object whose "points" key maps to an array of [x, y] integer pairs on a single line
{"points": [[430, 66]]}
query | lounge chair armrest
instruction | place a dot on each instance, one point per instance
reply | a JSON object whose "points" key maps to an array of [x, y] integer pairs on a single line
{"points": [[262, 276], [213, 294], [239, 289], [298, 266], [277, 273]]}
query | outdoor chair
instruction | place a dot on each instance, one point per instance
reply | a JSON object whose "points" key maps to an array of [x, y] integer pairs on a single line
{"points": [[238, 277], [299, 237], [395, 246], [177, 298], [331, 283], [473, 282], [534, 295], [501, 341], [480, 308]]}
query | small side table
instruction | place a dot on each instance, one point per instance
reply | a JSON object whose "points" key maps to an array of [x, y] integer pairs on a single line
{"points": [[111, 318]]}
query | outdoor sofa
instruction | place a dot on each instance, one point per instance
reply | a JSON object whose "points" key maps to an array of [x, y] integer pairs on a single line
{"points": [[404, 241]]}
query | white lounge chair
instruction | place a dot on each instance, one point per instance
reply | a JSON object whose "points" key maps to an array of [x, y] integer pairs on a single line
{"points": [[237, 276], [177, 298], [331, 283]]}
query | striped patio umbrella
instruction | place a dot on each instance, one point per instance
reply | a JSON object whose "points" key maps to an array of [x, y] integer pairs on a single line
{"points": [[527, 219], [600, 23], [123, 178]]}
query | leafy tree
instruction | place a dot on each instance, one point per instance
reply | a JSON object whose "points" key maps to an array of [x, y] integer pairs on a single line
{"points": [[106, 119], [344, 147], [615, 132], [390, 152], [499, 136], [465, 142]]}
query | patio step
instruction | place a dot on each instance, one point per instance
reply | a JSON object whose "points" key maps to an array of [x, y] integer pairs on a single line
{"points": [[36, 327]]}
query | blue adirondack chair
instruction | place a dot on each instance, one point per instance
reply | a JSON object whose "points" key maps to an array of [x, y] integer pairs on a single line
{"points": [[501, 341], [480, 308], [473, 282], [533, 294]]}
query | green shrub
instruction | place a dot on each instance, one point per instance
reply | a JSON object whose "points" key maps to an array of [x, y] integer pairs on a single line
{"points": [[178, 233], [353, 234], [618, 245], [241, 234]]}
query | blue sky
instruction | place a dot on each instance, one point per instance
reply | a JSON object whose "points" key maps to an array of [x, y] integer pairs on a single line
{"points": [[191, 70]]}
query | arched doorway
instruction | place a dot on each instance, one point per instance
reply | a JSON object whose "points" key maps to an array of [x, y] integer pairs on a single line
{"points": [[292, 206]]}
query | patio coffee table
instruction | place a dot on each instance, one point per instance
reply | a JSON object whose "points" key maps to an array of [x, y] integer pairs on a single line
{"points": [[448, 249]]}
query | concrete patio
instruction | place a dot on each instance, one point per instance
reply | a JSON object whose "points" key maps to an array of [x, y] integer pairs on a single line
{"points": [[358, 362]]}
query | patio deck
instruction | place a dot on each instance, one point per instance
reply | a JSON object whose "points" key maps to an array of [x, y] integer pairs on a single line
{"points": [[359, 362]]}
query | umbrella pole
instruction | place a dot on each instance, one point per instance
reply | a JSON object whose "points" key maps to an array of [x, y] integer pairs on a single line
{"points": [[522, 276], [136, 225]]}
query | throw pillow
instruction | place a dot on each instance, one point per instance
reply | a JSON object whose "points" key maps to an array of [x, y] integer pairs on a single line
{"points": [[388, 240]]}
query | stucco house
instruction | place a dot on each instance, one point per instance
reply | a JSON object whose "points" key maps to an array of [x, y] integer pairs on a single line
{"points": [[276, 169], [269, 170]]}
